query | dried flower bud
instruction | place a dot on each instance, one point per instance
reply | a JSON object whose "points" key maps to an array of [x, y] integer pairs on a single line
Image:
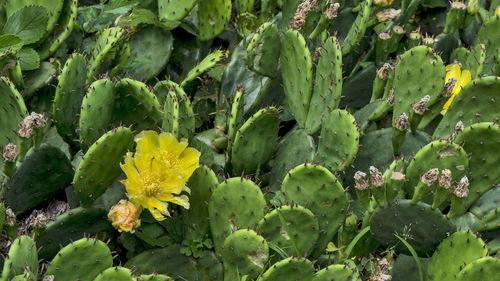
{"points": [[10, 152], [124, 216], [459, 127], [300, 15], [331, 10], [383, 72], [317, 54], [462, 188], [448, 87], [430, 176], [361, 181], [390, 97], [10, 217], [376, 177], [388, 14], [384, 266], [445, 179], [33, 121], [421, 106], [48, 278], [40, 220], [402, 123], [398, 176]]}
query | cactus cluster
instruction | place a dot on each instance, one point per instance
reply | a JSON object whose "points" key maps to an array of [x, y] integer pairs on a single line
{"points": [[265, 140]]}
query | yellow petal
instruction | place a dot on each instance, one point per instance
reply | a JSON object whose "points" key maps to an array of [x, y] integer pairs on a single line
{"points": [[452, 71], [147, 142], [182, 200], [188, 162], [170, 144], [465, 78]]}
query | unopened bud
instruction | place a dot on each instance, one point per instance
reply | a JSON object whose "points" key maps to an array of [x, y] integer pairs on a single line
{"points": [[421, 106], [124, 216], [360, 181], [33, 121], [376, 177], [402, 123], [462, 188], [10, 152], [445, 179], [430, 176], [473, 7]]}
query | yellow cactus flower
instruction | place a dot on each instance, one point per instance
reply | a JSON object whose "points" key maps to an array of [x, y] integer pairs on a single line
{"points": [[497, 11], [158, 171], [461, 79], [165, 148], [382, 3], [124, 216]]}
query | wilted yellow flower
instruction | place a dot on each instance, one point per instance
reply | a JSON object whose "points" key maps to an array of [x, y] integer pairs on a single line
{"points": [[124, 216], [382, 3], [461, 79], [158, 171]]}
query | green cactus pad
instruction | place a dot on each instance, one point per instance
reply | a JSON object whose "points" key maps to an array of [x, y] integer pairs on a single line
{"points": [[115, 274], [474, 62], [300, 229], [485, 269], [136, 105], [145, 62], [357, 29], [406, 268], [327, 85], [13, 111], [422, 227], [80, 260], [319, 190], [484, 171], [289, 269], [43, 174], [195, 219], [486, 36], [178, 116], [108, 39], [244, 253], [174, 10], [170, 262], [297, 74], [337, 272], [154, 277], [62, 30], [263, 50], [339, 141], [249, 151], [487, 203], [453, 254], [294, 148], [437, 154], [235, 118], [213, 16], [26, 276], [71, 226], [69, 95], [475, 103], [97, 111], [416, 65], [22, 255], [208, 62], [235, 204], [100, 166]]}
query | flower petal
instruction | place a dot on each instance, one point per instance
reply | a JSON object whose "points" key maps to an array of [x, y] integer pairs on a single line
{"points": [[170, 144], [188, 162]]}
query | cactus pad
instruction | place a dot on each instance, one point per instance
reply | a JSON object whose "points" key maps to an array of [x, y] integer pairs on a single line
{"points": [[482, 269], [115, 274], [263, 50], [289, 269], [213, 16], [22, 255]]}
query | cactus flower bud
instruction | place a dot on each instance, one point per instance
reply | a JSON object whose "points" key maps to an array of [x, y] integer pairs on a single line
{"points": [[402, 123], [124, 216], [10, 217], [421, 106], [430, 176], [445, 179], [473, 7], [376, 177], [360, 181], [33, 121], [383, 72], [10, 152], [331, 10], [462, 188]]}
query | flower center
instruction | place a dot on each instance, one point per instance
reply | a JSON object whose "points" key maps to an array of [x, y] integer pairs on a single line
{"points": [[151, 185], [168, 159]]}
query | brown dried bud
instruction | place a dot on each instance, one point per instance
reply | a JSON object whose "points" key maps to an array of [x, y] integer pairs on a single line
{"points": [[388, 14], [390, 97], [398, 176], [33, 121], [448, 87], [316, 54], [421, 106], [459, 127], [331, 10], [10, 217], [402, 123], [376, 177], [48, 278], [462, 188], [361, 181], [10, 152], [383, 72], [40, 220], [430, 176], [300, 15], [445, 179]]}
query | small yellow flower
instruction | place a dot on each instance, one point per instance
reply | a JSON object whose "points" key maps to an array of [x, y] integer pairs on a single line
{"points": [[382, 3], [158, 171], [462, 78], [124, 216], [497, 11]]}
